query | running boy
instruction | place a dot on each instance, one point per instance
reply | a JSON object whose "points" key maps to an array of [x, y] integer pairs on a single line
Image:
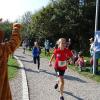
{"points": [[61, 54], [36, 54]]}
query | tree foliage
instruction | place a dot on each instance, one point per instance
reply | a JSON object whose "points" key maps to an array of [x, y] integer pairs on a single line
{"points": [[64, 18], [6, 26]]}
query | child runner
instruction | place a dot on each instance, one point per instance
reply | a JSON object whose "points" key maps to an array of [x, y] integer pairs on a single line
{"points": [[61, 54], [36, 54], [24, 46]]}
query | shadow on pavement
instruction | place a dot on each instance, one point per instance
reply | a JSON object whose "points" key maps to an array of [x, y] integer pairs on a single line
{"points": [[26, 69], [71, 94], [30, 61], [67, 77], [30, 70], [19, 56], [72, 78]]}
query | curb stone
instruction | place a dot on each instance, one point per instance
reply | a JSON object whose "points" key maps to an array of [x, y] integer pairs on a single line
{"points": [[24, 81]]}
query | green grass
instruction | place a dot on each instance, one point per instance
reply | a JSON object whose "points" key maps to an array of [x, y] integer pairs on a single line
{"points": [[12, 68], [86, 72], [43, 54]]}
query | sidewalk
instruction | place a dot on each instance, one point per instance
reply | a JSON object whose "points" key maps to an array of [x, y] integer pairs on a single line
{"points": [[41, 84]]}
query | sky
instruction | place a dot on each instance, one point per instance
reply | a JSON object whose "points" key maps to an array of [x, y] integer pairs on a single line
{"points": [[14, 9]]}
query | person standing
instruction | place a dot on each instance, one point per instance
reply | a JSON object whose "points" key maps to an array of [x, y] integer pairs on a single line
{"points": [[7, 48], [36, 54], [91, 50], [61, 54], [75, 56], [80, 61], [24, 46], [47, 47]]}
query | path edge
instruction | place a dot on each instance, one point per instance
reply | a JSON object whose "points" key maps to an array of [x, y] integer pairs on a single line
{"points": [[24, 81]]}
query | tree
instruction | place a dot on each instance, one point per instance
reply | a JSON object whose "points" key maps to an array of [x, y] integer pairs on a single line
{"points": [[26, 21], [65, 18], [6, 26]]}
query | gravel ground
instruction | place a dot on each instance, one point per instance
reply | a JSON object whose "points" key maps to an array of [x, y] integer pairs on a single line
{"points": [[41, 84]]}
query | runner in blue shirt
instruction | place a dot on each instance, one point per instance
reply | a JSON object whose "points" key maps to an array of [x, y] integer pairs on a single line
{"points": [[36, 54]]}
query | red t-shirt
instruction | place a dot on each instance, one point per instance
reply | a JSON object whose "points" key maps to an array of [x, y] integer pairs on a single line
{"points": [[60, 58]]}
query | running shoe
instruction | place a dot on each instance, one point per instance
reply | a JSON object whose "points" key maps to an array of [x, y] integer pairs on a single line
{"points": [[56, 86], [61, 98]]}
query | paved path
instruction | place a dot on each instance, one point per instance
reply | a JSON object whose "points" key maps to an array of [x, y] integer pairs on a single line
{"points": [[41, 84]]}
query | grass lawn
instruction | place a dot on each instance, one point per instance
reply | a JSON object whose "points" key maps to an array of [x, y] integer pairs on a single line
{"points": [[86, 72], [43, 54], [12, 67]]}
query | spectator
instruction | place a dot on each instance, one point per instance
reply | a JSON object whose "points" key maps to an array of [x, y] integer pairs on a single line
{"points": [[91, 50], [80, 61], [74, 57], [47, 47]]}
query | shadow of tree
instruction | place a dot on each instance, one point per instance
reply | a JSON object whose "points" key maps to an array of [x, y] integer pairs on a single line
{"points": [[26, 69], [72, 78], [71, 94], [67, 77], [29, 61], [19, 56]]}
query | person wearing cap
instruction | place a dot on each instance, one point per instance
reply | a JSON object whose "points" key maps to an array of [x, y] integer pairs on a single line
{"points": [[7, 48]]}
